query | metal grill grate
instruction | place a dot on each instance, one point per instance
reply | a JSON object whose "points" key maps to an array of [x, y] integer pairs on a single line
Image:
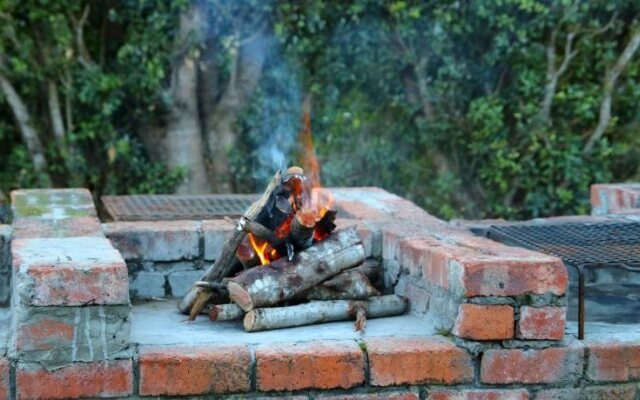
{"points": [[581, 246], [577, 243], [173, 207]]}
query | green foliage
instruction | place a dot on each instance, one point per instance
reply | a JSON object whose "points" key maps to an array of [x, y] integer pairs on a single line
{"points": [[438, 101]]}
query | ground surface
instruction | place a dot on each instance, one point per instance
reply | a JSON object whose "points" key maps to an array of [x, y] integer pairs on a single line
{"points": [[160, 323]]}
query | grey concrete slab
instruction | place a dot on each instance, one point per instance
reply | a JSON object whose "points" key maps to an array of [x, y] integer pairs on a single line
{"points": [[159, 323]]}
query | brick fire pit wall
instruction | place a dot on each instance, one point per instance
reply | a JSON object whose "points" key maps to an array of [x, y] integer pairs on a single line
{"points": [[498, 314]]}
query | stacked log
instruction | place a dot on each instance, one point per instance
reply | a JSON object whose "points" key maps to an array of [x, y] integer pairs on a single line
{"points": [[300, 274]]}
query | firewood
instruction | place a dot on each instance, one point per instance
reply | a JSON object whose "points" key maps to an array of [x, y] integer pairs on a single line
{"points": [[283, 279], [302, 227], [314, 312], [349, 285], [246, 255], [225, 263], [225, 312], [261, 231]]}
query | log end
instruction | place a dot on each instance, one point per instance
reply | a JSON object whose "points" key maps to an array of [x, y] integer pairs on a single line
{"points": [[185, 304], [240, 296], [249, 321]]}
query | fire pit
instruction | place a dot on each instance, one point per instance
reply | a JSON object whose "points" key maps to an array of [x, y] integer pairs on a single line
{"points": [[483, 316]]}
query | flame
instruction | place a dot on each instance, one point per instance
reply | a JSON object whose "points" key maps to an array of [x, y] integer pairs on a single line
{"points": [[261, 248]]}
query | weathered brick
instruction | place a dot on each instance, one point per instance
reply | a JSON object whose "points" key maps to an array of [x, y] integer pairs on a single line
{"points": [[477, 394], [614, 198], [541, 323], [56, 228], [4, 379], [613, 361], [155, 240], [400, 361], [147, 284], [550, 365], [607, 392], [484, 322], [182, 281], [69, 271], [501, 276], [64, 334], [72, 381], [215, 232], [395, 395], [419, 297], [177, 371], [52, 204], [363, 203], [316, 365]]}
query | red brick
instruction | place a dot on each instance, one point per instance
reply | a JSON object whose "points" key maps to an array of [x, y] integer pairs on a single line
{"points": [[69, 271], [608, 392], [57, 228], [475, 394], [484, 322], [614, 361], [400, 361], [72, 381], [45, 334], [541, 323], [177, 371], [502, 276], [374, 396], [550, 365], [4, 379], [317, 365]]}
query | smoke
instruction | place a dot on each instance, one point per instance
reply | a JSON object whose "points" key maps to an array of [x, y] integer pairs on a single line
{"points": [[278, 111]]}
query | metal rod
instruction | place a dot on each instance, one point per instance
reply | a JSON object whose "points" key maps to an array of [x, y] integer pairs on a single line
{"points": [[581, 302]]}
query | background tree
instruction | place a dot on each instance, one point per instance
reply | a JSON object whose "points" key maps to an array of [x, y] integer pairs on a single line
{"points": [[476, 109]]}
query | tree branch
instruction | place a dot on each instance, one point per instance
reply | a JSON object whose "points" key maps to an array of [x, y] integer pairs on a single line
{"points": [[610, 80], [78, 26], [554, 72], [28, 133]]}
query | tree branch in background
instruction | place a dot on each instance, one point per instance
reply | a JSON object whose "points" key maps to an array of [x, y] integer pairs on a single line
{"points": [[25, 125], [554, 72], [610, 80], [78, 26]]}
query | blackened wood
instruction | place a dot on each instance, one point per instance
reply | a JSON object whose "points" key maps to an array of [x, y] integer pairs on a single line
{"points": [[283, 279], [225, 263], [302, 227]]}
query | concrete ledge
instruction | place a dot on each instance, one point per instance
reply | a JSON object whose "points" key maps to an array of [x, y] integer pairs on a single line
{"points": [[52, 204]]}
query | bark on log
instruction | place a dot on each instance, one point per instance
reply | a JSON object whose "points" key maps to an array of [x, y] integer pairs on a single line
{"points": [[225, 312], [349, 285], [227, 259], [261, 319], [282, 279]]}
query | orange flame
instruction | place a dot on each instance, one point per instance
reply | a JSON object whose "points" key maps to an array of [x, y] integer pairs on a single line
{"points": [[310, 163], [260, 246]]}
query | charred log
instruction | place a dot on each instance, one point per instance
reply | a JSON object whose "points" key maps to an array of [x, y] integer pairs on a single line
{"points": [[282, 279]]}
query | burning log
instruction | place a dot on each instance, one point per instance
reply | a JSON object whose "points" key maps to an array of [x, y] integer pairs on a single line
{"points": [[314, 312], [193, 302], [225, 312], [302, 228], [282, 279]]}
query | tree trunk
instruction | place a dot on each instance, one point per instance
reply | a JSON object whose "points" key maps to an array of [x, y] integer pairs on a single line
{"points": [[247, 61], [184, 133], [28, 133]]}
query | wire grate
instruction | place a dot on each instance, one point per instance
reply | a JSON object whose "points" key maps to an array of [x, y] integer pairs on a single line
{"points": [[174, 207], [603, 243]]}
